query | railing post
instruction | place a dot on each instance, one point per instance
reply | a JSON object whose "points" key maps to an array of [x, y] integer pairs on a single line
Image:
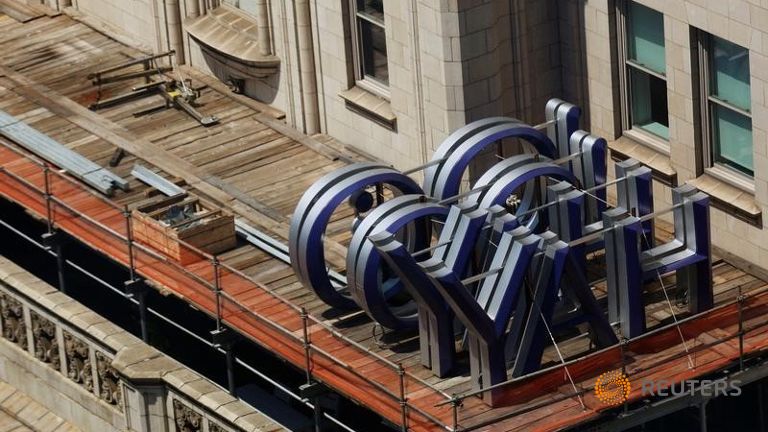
{"points": [[307, 348], [225, 339], [741, 299], [310, 390], [622, 347], [137, 289], [52, 239], [48, 210], [403, 399], [455, 404], [217, 291], [129, 240], [230, 357]]}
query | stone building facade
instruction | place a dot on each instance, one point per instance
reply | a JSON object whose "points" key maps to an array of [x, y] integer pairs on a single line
{"points": [[679, 85]]}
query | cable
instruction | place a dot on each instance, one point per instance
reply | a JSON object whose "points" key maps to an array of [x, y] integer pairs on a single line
{"points": [[552, 338], [691, 364]]}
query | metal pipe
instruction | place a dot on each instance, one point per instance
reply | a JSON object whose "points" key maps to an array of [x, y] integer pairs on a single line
{"points": [[48, 212], [434, 162], [598, 234], [60, 264], [418, 79], [129, 63], [230, 354], [455, 403], [142, 299], [308, 367], [307, 349], [424, 166], [403, 399], [761, 406], [217, 290], [741, 300], [129, 238]]}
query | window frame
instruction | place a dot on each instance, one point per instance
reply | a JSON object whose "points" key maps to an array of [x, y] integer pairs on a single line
{"points": [[237, 4], [626, 66], [361, 80], [707, 103]]}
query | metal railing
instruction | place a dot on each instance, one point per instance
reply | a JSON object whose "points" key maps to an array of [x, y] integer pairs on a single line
{"points": [[210, 284], [307, 341]]}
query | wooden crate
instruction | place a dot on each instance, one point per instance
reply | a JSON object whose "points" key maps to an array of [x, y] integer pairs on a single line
{"points": [[209, 230]]}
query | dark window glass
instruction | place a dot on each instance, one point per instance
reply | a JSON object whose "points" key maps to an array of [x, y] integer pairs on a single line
{"points": [[646, 68], [372, 8], [730, 103], [372, 40], [649, 103], [646, 37]]}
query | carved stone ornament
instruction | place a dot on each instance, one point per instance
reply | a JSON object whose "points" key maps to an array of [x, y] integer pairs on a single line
{"points": [[187, 419], [79, 367], [109, 381], [213, 427], [44, 338], [14, 327]]}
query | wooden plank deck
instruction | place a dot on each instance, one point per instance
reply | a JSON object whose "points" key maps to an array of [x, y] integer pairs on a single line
{"points": [[253, 166]]}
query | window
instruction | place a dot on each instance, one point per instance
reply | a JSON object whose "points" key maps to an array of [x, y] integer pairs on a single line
{"points": [[726, 110], [644, 78], [244, 5], [370, 44]]}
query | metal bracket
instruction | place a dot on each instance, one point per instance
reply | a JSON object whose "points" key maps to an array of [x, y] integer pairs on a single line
{"points": [[135, 288], [224, 338], [313, 390], [52, 239]]}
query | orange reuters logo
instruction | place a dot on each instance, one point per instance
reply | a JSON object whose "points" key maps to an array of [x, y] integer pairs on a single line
{"points": [[612, 388]]}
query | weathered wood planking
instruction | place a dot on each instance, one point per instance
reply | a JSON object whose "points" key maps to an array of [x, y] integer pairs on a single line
{"points": [[273, 169]]}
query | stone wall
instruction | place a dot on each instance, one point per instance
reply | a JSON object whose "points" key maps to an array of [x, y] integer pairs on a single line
{"points": [[132, 17], [449, 62], [454, 61], [99, 377], [742, 22]]}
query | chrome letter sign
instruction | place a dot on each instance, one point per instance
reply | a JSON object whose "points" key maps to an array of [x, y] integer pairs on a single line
{"points": [[502, 265]]}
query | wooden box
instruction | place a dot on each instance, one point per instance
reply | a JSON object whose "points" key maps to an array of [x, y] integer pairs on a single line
{"points": [[164, 225]]}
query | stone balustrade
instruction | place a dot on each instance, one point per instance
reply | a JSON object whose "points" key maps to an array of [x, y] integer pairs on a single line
{"points": [[100, 377]]}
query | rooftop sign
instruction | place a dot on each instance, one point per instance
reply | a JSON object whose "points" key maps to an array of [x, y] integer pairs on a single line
{"points": [[503, 263]]}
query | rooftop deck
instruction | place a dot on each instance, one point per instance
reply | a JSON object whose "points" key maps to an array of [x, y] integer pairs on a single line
{"points": [[255, 166]]}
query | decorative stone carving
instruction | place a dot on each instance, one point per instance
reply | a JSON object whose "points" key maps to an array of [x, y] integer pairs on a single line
{"points": [[187, 419], [14, 327], [214, 427], [109, 381], [44, 339], [78, 361]]}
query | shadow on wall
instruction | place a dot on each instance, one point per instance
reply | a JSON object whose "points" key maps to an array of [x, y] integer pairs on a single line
{"points": [[242, 77], [573, 54], [541, 54]]}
